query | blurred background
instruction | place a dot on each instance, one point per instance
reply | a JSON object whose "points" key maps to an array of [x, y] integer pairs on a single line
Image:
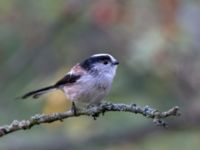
{"points": [[157, 43]]}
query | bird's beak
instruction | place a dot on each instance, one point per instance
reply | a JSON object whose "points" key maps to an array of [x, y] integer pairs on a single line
{"points": [[115, 63]]}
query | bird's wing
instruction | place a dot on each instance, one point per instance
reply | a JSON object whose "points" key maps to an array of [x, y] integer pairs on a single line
{"points": [[75, 74], [67, 79]]}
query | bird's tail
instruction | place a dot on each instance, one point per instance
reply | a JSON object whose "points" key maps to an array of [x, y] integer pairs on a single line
{"points": [[39, 92]]}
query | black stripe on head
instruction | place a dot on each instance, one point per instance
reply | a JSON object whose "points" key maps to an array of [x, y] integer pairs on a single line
{"points": [[88, 63]]}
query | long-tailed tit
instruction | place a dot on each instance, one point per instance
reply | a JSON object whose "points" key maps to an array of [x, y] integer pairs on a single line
{"points": [[87, 82]]}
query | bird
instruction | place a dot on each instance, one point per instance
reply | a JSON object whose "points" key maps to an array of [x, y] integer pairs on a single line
{"points": [[87, 82]]}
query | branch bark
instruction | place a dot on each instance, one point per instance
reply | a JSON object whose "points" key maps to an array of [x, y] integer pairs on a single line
{"points": [[93, 111]]}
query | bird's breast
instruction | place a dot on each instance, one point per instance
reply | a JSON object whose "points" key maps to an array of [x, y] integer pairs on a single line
{"points": [[89, 90]]}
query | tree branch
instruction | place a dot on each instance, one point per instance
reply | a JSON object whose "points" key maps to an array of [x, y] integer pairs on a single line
{"points": [[93, 111]]}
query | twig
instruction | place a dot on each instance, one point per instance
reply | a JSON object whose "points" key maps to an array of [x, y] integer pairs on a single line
{"points": [[93, 111]]}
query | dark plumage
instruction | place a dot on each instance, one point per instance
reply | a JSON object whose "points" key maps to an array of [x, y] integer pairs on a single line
{"points": [[37, 93], [88, 63], [69, 78]]}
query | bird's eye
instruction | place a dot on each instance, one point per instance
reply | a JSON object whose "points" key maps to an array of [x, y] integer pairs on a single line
{"points": [[105, 62]]}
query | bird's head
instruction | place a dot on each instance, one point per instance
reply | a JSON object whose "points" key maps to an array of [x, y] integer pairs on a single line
{"points": [[101, 64]]}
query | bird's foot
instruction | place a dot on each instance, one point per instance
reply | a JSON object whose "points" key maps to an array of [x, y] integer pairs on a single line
{"points": [[74, 109]]}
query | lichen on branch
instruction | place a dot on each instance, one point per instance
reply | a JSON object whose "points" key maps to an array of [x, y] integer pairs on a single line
{"points": [[93, 111]]}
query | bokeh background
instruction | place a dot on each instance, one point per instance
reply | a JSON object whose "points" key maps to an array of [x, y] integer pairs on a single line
{"points": [[157, 43]]}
